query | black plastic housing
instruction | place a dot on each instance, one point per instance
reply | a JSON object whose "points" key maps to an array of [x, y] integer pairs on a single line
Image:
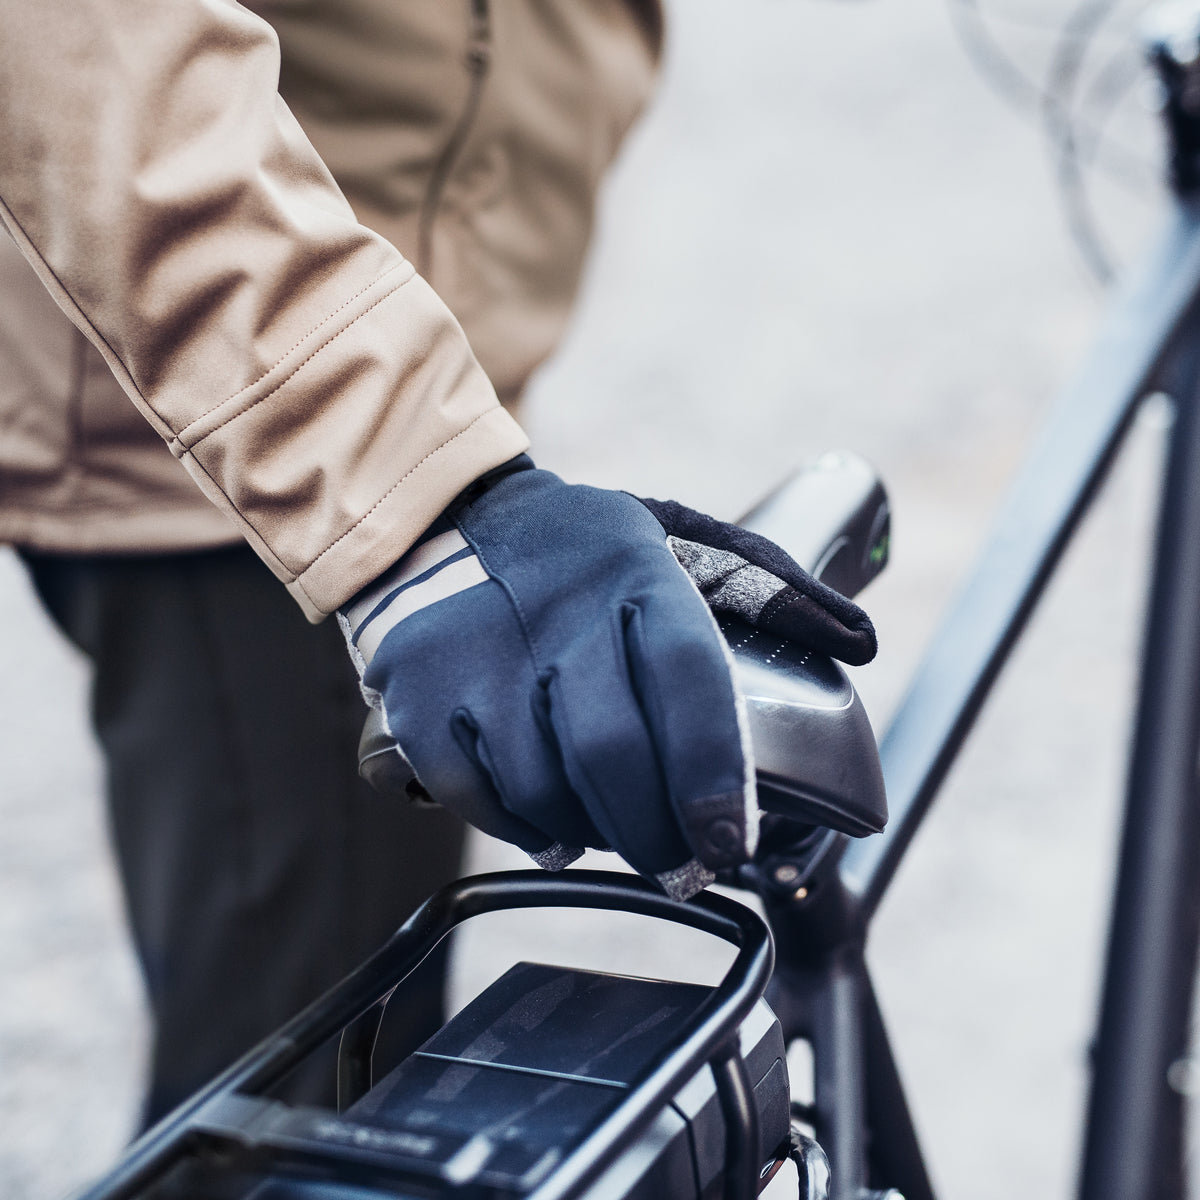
{"points": [[833, 517], [814, 749]]}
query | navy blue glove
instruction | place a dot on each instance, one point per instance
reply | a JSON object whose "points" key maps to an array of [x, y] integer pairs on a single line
{"points": [[556, 679]]}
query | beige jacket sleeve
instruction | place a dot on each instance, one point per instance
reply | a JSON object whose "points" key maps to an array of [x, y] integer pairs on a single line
{"points": [[311, 382]]}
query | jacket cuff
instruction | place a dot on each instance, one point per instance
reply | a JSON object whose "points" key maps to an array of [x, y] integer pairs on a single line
{"points": [[413, 503]]}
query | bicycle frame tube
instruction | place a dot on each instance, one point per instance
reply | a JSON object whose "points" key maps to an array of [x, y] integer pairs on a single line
{"points": [[822, 989], [1035, 525], [1134, 1143]]}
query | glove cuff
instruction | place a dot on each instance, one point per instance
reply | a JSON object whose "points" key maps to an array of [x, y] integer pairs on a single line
{"points": [[440, 564]]}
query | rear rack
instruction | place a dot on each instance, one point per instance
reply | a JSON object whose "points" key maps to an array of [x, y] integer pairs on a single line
{"points": [[231, 1115]]}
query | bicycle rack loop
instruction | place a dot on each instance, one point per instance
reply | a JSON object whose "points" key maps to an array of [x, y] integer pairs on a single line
{"points": [[355, 1008]]}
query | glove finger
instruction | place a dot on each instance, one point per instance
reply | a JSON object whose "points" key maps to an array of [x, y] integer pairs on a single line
{"points": [[516, 745], [550, 851], [731, 585], [801, 617], [683, 674], [454, 776], [426, 669], [609, 756], [746, 574]]}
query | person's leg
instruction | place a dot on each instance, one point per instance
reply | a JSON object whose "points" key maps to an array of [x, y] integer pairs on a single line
{"points": [[258, 868]]}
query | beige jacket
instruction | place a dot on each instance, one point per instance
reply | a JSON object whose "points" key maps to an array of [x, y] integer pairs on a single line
{"points": [[306, 377]]}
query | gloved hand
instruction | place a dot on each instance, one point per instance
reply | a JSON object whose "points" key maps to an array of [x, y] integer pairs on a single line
{"points": [[556, 679]]}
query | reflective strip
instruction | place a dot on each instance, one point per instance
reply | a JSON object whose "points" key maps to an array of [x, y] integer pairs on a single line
{"points": [[448, 581], [386, 602], [416, 562]]}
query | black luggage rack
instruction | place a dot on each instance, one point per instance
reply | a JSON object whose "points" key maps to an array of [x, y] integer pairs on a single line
{"points": [[234, 1126]]}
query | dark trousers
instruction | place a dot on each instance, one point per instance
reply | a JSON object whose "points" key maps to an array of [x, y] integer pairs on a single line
{"points": [[258, 869]]}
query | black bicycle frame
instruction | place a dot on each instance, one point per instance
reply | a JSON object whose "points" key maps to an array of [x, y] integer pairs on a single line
{"points": [[822, 991]]}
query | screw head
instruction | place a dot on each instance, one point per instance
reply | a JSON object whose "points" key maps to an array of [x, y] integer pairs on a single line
{"points": [[787, 874]]}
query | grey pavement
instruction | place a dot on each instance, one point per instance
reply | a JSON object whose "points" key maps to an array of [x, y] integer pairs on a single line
{"points": [[828, 232]]}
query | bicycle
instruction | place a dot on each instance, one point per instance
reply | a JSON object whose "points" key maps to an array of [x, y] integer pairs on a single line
{"points": [[822, 889]]}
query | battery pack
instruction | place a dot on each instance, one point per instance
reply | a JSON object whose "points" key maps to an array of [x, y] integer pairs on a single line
{"points": [[497, 1099]]}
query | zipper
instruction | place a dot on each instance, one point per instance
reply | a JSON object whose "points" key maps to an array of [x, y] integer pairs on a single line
{"points": [[477, 60]]}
